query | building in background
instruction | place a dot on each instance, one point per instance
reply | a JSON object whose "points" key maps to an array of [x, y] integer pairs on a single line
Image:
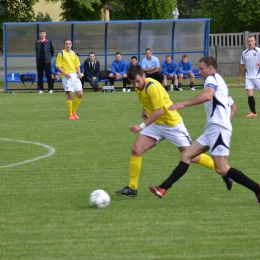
{"points": [[54, 10]]}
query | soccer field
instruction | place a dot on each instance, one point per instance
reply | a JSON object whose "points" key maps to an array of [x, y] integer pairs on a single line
{"points": [[49, 166]]}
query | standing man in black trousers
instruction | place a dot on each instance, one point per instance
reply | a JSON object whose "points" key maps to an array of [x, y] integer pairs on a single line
{"points": [[44, 52]]}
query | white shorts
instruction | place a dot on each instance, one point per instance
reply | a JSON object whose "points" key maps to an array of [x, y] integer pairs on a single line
{"points": [[178, 135], [252, 84], [217, 138], [72, 84]]}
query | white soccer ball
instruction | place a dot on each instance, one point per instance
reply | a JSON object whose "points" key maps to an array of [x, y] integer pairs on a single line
{"points": [[99, 199]]}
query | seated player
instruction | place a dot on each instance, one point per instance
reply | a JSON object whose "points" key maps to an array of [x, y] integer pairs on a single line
{"points": [[133, 62], [185, 68], [118, 71], [169, 71]]}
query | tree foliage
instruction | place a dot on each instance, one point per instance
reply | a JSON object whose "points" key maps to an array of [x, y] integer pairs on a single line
{"points": [[81, 10], [188, 8], [40, 17], [231, 16], [142, 9], [16, 11], [84, 10], [226, 16]]}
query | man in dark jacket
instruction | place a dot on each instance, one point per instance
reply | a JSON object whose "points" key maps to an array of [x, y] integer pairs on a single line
{"points": [[92, 71], [44, 52]]}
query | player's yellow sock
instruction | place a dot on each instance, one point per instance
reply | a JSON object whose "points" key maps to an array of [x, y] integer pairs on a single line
{"points": [[207, 161], [69, 107], [134, 171], [76, 103]]}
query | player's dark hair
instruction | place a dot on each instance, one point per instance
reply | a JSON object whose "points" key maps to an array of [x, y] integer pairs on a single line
{"points": [[134, 71], [209, 61], [42, 31], [148, 49], [92, 52], [67, 39], [168, 56], [118, 53], [250, 36], [134, 57]]}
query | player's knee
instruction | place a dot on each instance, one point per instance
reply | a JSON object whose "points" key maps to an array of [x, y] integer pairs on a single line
{"points": [[136, 150], [80, 94], [220, 171], [188, 158]]}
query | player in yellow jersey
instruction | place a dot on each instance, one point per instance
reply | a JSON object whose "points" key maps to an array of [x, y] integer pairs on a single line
{"points": [[160, 123], [69, 65]]}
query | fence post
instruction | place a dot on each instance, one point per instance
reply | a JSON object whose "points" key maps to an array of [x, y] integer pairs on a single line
{"points": [[245, 39], [216, 52]]}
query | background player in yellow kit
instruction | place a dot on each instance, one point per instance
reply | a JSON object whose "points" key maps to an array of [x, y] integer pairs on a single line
{"points": [[69, 65]]}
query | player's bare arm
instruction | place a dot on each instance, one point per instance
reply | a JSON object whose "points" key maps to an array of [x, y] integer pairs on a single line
{"points": [[155, 69], [177, 105], [154, 116], [203, 97], [146, 69], [79, 73], [145, 114], [233, 111], [67, 75], [241, 70]]}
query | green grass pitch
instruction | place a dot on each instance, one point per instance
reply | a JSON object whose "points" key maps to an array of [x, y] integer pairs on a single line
{"points": [[45, 211]]}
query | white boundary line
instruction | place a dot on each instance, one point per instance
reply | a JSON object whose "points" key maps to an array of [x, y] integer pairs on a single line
{"points": [[50, 153]]}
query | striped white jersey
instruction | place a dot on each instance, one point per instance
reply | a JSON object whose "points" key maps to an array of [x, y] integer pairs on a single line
{"points": [[218, 108], [250, 58]]}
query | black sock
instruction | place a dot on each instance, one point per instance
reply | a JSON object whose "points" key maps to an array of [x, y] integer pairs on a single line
{"points": [[251, 103], [191, 85], [177, 173], [125, 80], [111, 81], [179, 85], [242, 179]]}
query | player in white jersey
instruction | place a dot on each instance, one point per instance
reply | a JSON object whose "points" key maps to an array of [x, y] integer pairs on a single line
{"points": [[217, 133], [217, 109], [250, 63]]}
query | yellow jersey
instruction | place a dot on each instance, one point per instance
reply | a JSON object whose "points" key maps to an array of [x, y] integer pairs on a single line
{"points": [[68, 61], [154, 96]]}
